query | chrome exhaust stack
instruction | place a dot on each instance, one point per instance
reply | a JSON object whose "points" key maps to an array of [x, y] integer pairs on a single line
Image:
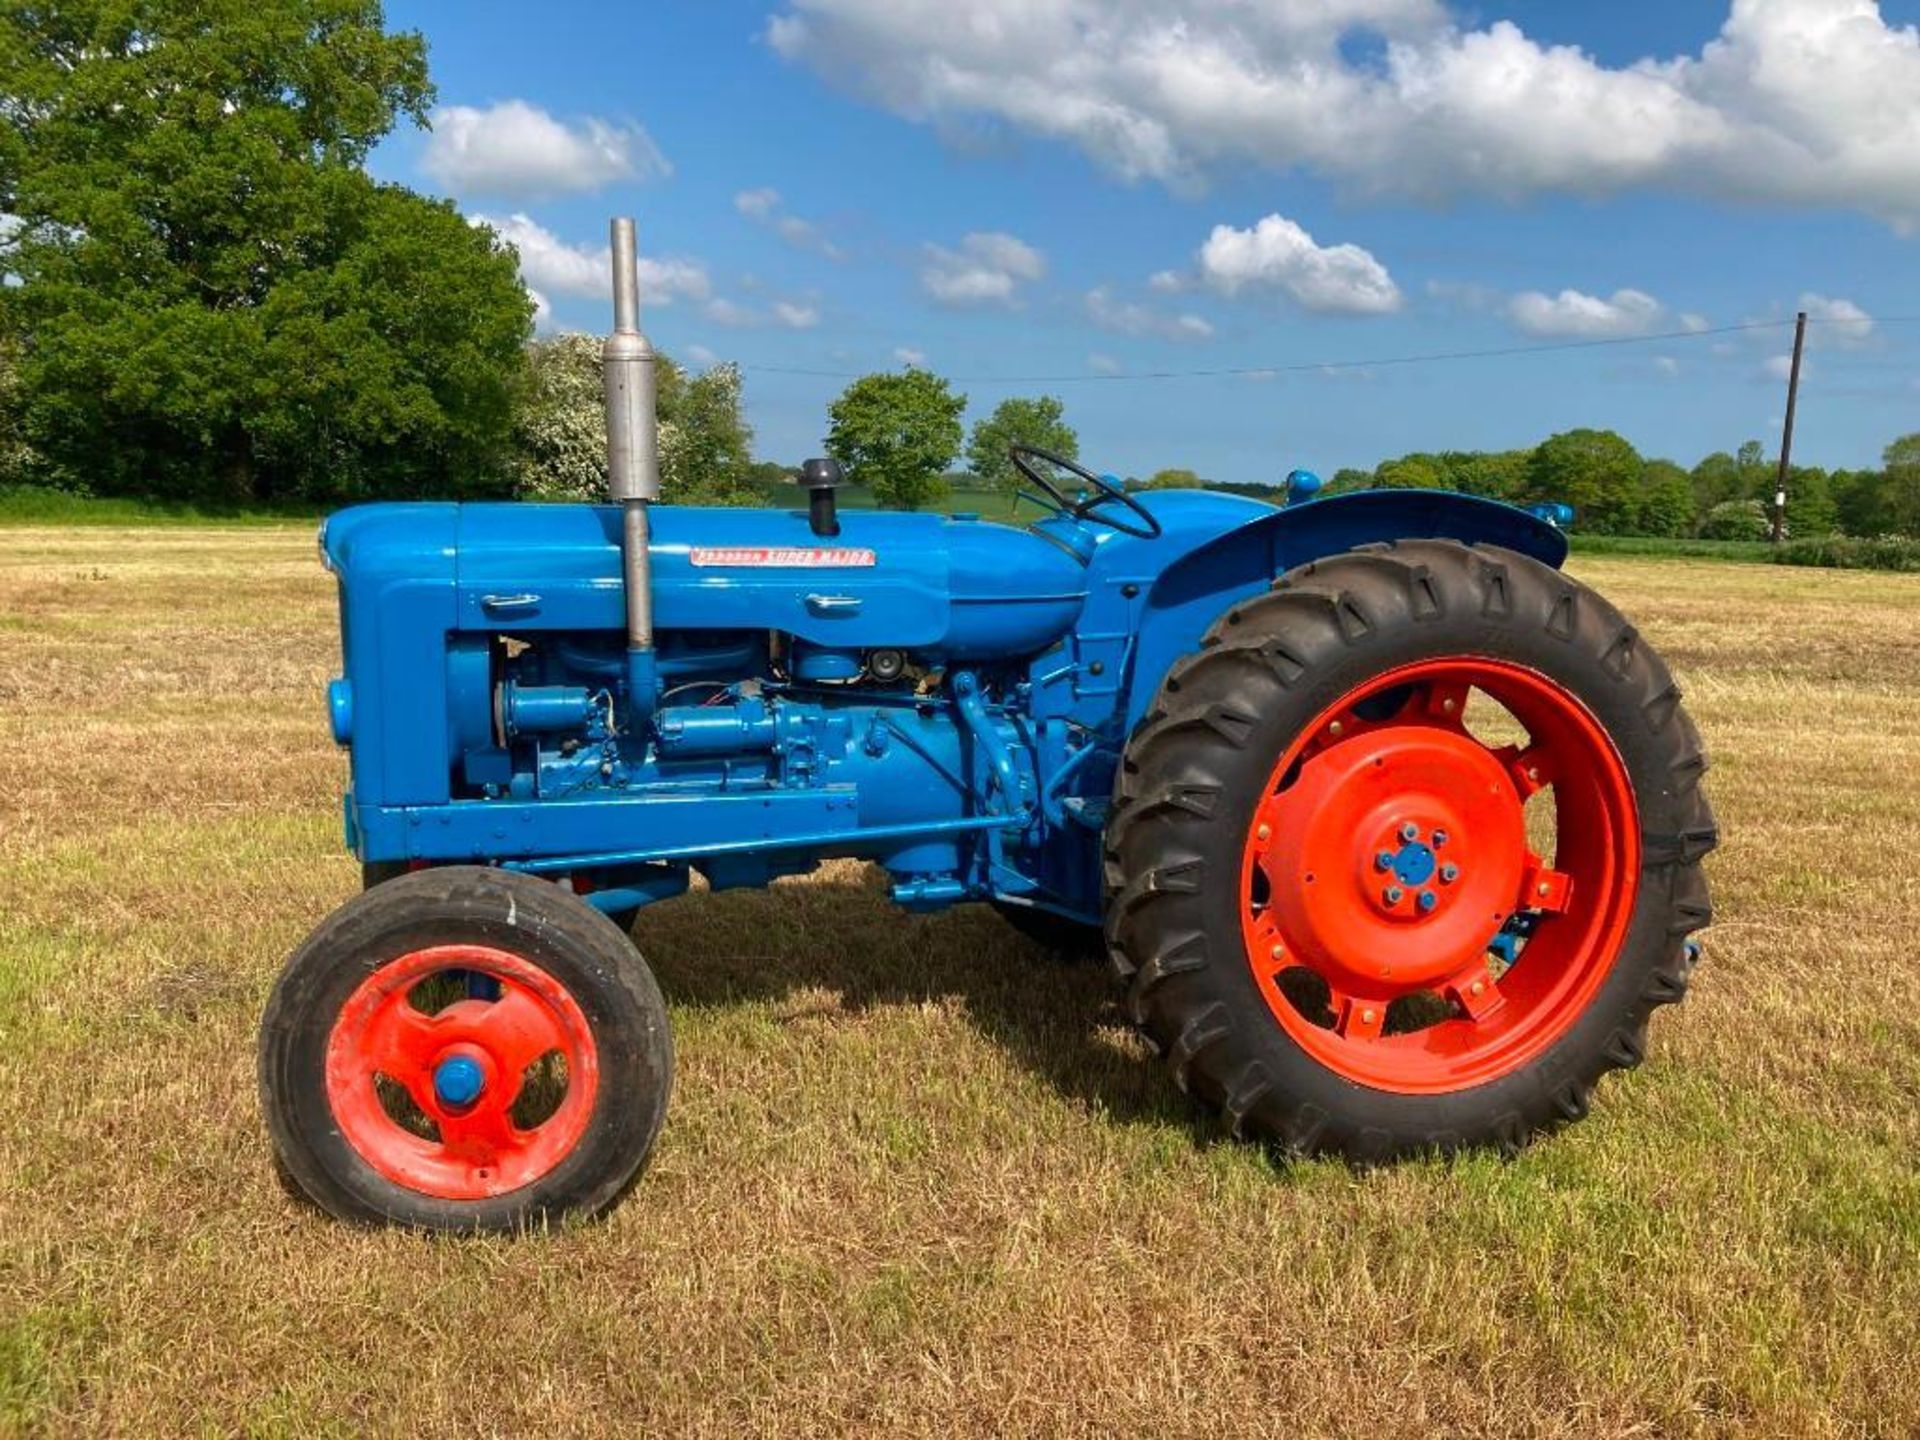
{"points": [[633, 462]]}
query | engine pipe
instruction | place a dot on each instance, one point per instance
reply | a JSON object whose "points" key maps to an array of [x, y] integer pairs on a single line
{"points": [[633, 463]]}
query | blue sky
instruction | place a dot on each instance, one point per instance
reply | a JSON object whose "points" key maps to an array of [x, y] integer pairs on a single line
{"points": [[1095, 190]]}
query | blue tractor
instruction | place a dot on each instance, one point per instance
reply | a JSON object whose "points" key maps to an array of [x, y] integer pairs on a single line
{"points": [[1391, 831]]}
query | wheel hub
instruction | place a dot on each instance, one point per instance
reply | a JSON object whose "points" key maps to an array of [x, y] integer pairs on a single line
{"points": [[458, 1081], [1398, 852]]}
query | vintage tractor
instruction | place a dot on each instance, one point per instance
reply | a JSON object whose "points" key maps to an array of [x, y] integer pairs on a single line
{"points": [[1391, 831]]}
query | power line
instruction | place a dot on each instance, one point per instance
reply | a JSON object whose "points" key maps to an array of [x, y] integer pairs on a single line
{"points": [[1310, 366]]}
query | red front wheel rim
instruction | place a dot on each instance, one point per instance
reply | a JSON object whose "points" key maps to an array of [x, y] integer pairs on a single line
{"points": [[1440, 875], [462, 1096]]}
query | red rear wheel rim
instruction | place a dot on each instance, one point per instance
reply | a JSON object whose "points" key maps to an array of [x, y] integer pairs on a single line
{"points": [[515, 1015], [1389, 863]]}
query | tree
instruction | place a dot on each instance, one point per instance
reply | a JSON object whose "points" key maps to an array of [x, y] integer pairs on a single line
{"points": [[1497, 475], [1410, 472], [560, 429], [1177, 478], [16, 460], [705, 445], [1811, 511], [214, 299], [1665, 501], [1716, 479], [1019, 420], [1902, 459], [1737, 520], [896, 434], [1595, 471]]}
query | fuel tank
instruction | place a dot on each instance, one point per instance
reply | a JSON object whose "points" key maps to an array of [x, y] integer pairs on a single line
{"points": [[948, 589]]}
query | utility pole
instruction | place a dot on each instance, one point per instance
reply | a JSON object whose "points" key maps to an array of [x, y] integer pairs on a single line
{"points": [[1786, 434]]}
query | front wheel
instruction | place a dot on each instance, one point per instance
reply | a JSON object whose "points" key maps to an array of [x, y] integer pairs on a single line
{"points": [[464, 1049], [1405, 856]]}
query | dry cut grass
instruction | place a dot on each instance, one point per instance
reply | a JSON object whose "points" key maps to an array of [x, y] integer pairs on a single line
{"points": [[918, 1179]]}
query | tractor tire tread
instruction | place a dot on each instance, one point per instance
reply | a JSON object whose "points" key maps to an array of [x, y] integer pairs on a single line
{"points": [[1194, 740]]}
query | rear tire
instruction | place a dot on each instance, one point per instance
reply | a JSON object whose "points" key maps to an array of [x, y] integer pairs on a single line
{"points": [[533, 1089], [1200, 773]]}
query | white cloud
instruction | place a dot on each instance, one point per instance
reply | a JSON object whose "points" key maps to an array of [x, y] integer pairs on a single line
{"points": [[1801, 102], [1277, 254], [1694, 323], [702, 356], [1131, 318], [789, 314], [1576, 315], [542, 309], [1837, 322], [1780, 367], [764, 206], [1666, 366], [1167, 282], [1103, 364], [757, 204], [519, 151], [794, 315], [907, 355], [550, 266], [988, 269]]}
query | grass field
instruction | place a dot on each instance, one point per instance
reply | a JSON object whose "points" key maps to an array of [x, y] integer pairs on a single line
{"points": [[917, 1178]]}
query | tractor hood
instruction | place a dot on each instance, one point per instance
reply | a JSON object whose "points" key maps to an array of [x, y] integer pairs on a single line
{"points": [[953, 588]]}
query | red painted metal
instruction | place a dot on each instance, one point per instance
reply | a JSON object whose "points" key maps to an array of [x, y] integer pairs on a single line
{"points": [[481, 1152], [1391, 845]]}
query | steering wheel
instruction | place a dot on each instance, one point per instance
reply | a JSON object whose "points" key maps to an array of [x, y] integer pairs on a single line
{"points": [[1105, 492]]}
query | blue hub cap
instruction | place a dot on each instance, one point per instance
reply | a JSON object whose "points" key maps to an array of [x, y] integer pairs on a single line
{"points": [[458, 1080], [1413, 863]]}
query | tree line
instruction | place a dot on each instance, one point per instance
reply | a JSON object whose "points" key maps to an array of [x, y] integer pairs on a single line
{"points": [[205, 298]]}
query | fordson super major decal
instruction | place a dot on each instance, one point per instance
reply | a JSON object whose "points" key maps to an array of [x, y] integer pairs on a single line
{"points": [[779, 557]]}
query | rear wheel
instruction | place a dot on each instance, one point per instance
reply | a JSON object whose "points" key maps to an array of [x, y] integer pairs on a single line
{"points": [[464, 1049], [1404, 857]]}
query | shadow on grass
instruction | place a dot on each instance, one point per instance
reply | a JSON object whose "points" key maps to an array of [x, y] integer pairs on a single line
{"points": [[1059, 1018]]}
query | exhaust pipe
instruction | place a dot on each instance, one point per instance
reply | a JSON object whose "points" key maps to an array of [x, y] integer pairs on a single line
{"points": [[633, 464]]}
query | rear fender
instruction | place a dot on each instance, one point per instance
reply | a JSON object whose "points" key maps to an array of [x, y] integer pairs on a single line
{"points": [[1193, 592]]}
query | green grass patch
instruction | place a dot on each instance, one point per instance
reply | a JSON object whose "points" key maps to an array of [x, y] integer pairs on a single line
{"points": [[1853, 552], [1746, 551], [32, 505]]}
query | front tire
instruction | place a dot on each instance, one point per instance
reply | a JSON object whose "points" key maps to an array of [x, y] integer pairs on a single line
{"points": [[464, 1048], [1356, 926]]}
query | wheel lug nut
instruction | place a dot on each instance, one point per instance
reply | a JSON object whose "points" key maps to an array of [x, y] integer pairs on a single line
{"points": [[1449, 873], [1265, 832], [1439, 838], [1409, 831], [1393, 894], [1427, 900], [1383, 860]]}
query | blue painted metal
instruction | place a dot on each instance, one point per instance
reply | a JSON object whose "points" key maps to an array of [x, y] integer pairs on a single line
{"points": [[458, 1081], [495, 714], [1302, 485], [1413, 863]]}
